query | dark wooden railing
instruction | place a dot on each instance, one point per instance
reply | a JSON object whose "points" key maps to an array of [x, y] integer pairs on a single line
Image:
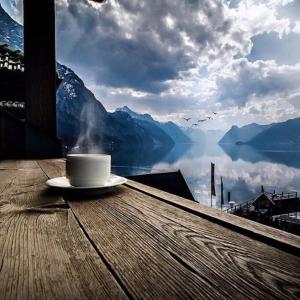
{"points": [[239, 206], [282, 196]]}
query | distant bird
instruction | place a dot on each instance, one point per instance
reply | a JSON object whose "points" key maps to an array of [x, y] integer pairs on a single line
{"points": [[195, 124], [209, 118], [214, 113], [187, 119], [202, 120]]}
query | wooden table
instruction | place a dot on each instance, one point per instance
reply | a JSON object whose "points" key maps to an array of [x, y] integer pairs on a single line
{"points": [[135, 242]]}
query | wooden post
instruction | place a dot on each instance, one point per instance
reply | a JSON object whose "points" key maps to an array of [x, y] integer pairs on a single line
{"points": [[222, 193], [212, 182], [40, 65]]}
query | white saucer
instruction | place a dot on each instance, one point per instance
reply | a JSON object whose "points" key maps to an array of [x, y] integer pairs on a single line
{"points": [[64, 183]]}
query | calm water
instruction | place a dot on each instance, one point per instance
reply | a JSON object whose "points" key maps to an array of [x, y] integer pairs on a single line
{"points": [[244, 169]]}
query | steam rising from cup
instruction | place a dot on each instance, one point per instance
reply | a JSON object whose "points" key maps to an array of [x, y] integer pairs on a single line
{"points": [[90, 138]]}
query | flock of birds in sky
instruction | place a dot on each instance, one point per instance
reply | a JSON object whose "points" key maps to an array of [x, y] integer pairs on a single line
{"points": [[201, 120]]}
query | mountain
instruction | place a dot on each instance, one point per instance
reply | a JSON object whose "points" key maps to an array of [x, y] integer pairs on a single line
{"points": [[133, 114], [149, 133], [11, 32], [284, 136], [242, 134], [81, 118], [170, 128]]}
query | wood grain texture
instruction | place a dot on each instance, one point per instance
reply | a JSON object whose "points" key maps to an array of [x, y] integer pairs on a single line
{"points": [[224, 253], [44, 254], [53, 167], [160, 251], [273, 236], [25, 189], [256, 230], [18, 164]]}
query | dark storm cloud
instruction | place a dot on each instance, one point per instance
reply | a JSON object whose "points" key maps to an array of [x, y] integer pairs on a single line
{"points": [[130, 43]]}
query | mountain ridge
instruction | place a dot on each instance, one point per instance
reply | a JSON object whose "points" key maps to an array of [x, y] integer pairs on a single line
{"points": [[242, 134], [281, 136], [170, 128], [77, 107]]}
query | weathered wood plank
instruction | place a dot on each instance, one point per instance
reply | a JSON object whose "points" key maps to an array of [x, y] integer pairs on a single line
{"points": [[158, 252], [153, 243], [25, 189], [273, 236], [256, 230], [204, 245], [18, 164], [44, 254], [53, 167], [141, 263]]}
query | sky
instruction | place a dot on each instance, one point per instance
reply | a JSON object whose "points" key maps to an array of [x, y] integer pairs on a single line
{"points": [[185, 58]]}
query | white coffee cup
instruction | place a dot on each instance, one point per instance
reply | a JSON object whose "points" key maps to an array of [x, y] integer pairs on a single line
{"points": [[88, 169]]}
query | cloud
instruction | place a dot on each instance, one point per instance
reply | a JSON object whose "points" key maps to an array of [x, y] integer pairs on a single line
{"points": [[294, 100], [14, 8], [255, 17], [140, 44], [244, 80], [269, 46], [173, 58], [296, 28], [290, 11]]}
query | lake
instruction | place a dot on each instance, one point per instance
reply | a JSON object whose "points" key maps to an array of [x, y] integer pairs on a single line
{"points": [[244, 169]]}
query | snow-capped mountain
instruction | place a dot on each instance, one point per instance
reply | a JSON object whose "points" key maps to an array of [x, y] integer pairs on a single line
{"points": [[11, 32], [81, 118], [170, 128]]}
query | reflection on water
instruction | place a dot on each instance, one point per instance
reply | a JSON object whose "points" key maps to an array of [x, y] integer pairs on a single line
{"points": [[243, 168]]}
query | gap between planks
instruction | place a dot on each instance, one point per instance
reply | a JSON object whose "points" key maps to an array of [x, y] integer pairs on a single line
{"points": [[57, 169], [25, 202]]}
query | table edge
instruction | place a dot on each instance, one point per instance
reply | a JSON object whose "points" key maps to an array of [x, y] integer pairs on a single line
{"points": [[277, 238]]}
